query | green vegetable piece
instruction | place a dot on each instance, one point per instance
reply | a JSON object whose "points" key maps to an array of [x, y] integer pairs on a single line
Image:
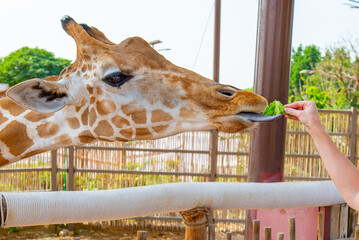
{"points": [[274, 108]]}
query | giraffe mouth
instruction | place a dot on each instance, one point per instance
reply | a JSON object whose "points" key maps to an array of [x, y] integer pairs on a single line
{"points": [[257, 117], [240, 121]]}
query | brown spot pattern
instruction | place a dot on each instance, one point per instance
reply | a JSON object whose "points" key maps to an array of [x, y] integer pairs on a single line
{"points": [[127, 133], [168, 104], [160, 116], [126, 108], [99, 91], [15, 138], [89, 88], [78, 108], [138, 114], [2, 118], [83, 102], [12, 107], [104, 129], [84, 68], [35, 117], [48, 129], [187, 113], [85, 117], [139, 117], [160, 128], [143, 132], [120, 121], [92, 117], [73, 123], [86, 137], [3, 161], [32, 153], [64, 140], [105, 107], [121, 139]]}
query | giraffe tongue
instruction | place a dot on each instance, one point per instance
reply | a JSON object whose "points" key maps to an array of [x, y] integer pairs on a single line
{"points": [[256, 117]]}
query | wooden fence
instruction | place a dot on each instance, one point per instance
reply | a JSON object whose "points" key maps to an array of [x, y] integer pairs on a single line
{"points": [[186, 157]]}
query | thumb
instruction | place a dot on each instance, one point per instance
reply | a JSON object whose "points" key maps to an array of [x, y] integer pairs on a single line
{"points": [[292, 111]]}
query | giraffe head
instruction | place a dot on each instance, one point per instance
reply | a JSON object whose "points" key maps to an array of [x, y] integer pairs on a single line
{"points": [[129, 91]]}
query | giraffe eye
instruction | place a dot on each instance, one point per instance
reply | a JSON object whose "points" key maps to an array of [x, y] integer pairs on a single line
{"points": [[116, 79]]}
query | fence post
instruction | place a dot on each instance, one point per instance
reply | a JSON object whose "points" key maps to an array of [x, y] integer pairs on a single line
{"points": [[267, 233], [211, 232], [54, 175], [71, 170], [53, 170], [71, 177], [280, 236], [213, 154], [256, 230], [196, 221], [291, 228], [213, 158], [334, 221], [353, 135], [354, 222], [320, 226], [141, 235], [344, 221]]}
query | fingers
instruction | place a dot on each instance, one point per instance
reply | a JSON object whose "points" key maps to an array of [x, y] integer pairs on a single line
{"points": [[292, 112], [291, 117], [296, 105]]}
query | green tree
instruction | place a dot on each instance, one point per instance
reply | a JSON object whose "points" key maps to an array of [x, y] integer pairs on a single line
{"points": [[301, 59], [338, 73], [27, 63]]}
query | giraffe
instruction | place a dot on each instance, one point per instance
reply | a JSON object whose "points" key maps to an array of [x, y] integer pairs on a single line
{"points": [[116, 92]]}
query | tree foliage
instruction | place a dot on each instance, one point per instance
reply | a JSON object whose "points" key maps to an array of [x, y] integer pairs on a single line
{"points": [[302, 59], [27, 63], [335, 79], [338, 72]]}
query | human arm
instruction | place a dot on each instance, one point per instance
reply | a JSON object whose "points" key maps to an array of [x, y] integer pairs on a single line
{"points": [[343, 173]]}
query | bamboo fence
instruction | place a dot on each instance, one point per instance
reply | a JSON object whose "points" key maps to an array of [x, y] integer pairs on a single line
{"points": [[185, 157]]}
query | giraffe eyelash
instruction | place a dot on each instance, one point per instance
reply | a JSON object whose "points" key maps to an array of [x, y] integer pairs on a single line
{"points": [[116, 79]]}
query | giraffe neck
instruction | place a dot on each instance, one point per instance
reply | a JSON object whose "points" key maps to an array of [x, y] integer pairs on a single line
{"points": [[24, 133]]}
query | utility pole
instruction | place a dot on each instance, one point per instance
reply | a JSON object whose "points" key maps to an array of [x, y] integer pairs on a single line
{"points": [[216, 57]]}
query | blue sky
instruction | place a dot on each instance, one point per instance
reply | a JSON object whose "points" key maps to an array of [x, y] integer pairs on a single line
{"points": [[180, 24]]}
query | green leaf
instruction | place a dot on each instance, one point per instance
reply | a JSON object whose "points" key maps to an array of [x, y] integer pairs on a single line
{"points": [[274, 108]]}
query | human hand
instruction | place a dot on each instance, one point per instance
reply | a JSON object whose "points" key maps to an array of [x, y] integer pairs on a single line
{"points": [[306, 112]]}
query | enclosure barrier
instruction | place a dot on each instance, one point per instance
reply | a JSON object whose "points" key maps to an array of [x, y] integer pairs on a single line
{"points": [[39, 208]]}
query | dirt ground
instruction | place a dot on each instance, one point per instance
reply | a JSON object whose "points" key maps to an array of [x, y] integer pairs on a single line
{"points": [[49, 233]]}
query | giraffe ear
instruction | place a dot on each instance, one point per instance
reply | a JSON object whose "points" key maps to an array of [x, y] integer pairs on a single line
{"points": [[39, 95]]}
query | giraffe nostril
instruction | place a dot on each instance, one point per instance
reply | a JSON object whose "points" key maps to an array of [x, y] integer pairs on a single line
{"points": [[227, 93]]}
